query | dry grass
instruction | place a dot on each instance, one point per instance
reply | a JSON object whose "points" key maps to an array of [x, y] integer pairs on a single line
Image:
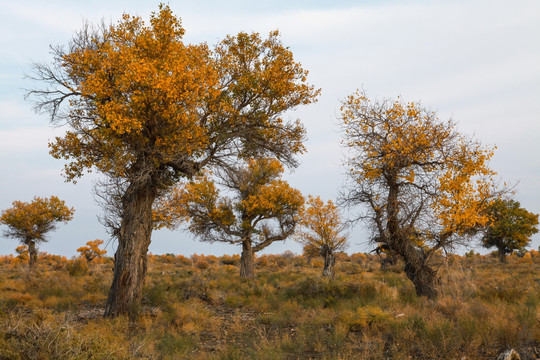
{"points": [[199, 308]]}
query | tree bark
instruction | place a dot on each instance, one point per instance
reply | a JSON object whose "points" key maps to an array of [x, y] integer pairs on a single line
{"points": [[32, 253], [247, 260], [130, 258], [424, 278], [329, 261], [502, 256]]}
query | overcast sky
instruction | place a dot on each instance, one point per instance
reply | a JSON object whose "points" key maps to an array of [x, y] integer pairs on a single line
{"points": [[477, 62]]}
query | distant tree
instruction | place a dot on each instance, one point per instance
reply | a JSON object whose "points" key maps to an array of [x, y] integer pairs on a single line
{"points": [[92, 250], [321, 232], [310, 252], [423, 184], [30, 222], [509, 227], [147, 110], [22, 251], [262, 208]]}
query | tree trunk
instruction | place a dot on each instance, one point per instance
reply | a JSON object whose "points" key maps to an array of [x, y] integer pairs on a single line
{"points": [[329, 261], [130, 258], [424, 278], [32, 253], [247, 261], [502, 256]]}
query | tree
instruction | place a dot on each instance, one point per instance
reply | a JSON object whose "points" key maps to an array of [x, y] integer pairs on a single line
{"points": [[509, 227], [309, 252], [22, 251], [262, 208], [321, 232], [92, 250], [423, 184], [147, 110], [29, 222]]}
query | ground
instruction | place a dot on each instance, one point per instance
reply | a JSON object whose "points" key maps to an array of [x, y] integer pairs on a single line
{"points": [[199, 308]]}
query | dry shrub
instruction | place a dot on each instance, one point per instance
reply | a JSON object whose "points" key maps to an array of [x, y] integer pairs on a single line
{"points": [[261, 261], [190, 317], [77, 267], [201, 264], [20, 300], [231, 260], [359, 258], [57, 262], [211, 259], [526, 259], [183, 261], [457, 282], [43, 335]]}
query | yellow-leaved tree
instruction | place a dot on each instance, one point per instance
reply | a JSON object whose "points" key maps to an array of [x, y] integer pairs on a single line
{"points": [[29, 222], [146, 110], [91, 250], [423, 184], [322, 232], [260, 210]]}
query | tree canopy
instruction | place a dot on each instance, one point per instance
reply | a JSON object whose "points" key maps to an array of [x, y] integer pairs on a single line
{"points": [[29, 222], [140, 100], [509, 227], [91, 250]]}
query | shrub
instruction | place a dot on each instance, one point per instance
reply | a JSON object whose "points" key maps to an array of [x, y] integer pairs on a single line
{"points": [[230, 260], [202, 264], [77, 267]]}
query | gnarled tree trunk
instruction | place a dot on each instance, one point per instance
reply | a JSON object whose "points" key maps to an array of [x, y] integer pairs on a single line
{"points": [[329, 261], [32, 253], [247, 260], [130, 258], [424, 278]]}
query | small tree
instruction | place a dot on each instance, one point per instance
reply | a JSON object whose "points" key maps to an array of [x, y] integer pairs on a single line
{"points": [[30, 222], [92, 250], [309, 252], [423, 184], [22, 251], [262, 209], [321, 232], [509, 228]]}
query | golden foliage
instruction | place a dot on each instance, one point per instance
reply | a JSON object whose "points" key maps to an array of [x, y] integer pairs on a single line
{"points": [[260, 196], [22, 251], [30, 221], [321, 227], [92, 250], [136, 91]]}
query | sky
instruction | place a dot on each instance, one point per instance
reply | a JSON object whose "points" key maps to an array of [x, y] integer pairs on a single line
{"points": [[475, 61]]}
